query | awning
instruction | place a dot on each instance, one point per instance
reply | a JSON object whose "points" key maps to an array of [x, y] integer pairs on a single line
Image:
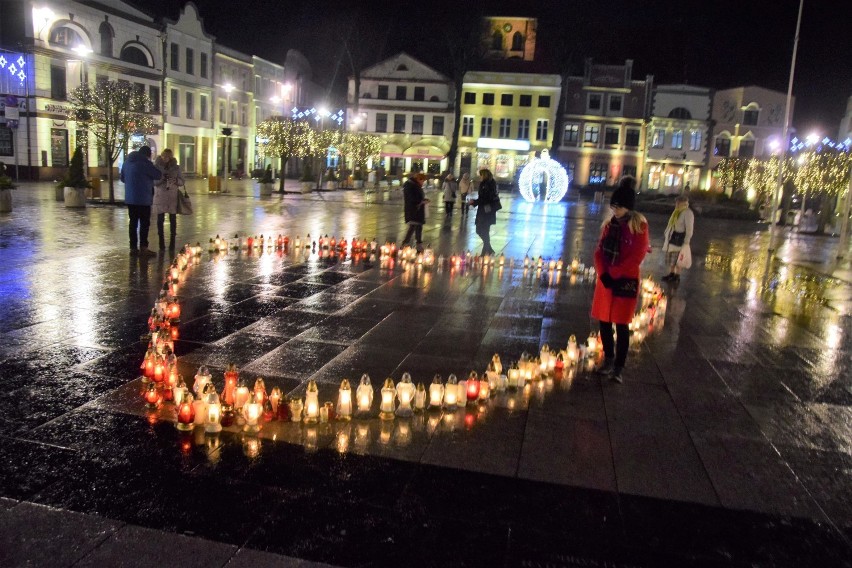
{"points": [[392, 150], [426, 152]]}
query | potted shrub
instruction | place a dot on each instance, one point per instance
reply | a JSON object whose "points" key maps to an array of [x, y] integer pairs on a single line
{"points": [[75, 184], [330, 179], [358, 178], [6, 187], [307, 179], [266, 182]]}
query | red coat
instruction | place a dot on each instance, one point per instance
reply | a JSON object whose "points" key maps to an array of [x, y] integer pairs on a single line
{"points": [[632, 252]]}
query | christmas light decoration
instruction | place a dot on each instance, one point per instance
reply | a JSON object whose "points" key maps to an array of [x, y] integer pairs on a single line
{"points": [[543, 179]]}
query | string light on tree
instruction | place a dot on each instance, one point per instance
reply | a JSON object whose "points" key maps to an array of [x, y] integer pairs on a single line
{"points": [[543, 179]]}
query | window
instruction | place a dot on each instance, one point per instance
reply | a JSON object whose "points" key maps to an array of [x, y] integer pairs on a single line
{"points": [[58, 147], [401, 92], [488, 99], [544, 101], [399, 123], [525, 100], [571, 134], [611, 135], [467, 126], [695, 140], [597, 173], [417, 124], [517, 42], [190, 61], [202, 107], [594, 102], [437, 125], [419, 93], [202, 66], [677, 140], [746, 149], [383, 92], [541, 130], [591, 133], [175, 57], [106, 39], [175, 103], [628, 171], [632, 137], [524, 129], [154, 95], [57, 82], [723, 147], [507, 100], [221, 111], [64, 36], [381, 122], [680, 113], [233, 113], [244, 115], [750, 117], [615, 103], [6, 142], [659, 139], [505, 127], [190, 105], [485, 127], [469, 98], [497, 40]]}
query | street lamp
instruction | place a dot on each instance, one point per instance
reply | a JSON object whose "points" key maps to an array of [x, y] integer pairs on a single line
{"points": [[83, 51]]}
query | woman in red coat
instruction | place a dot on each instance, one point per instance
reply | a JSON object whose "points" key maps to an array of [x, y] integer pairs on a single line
{"points": [[620, 251]]}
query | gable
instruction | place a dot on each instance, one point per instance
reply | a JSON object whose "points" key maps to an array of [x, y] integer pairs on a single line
{"points": [[190, 22], [402, 67]]}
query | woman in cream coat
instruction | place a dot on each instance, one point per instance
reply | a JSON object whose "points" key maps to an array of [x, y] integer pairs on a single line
{"points": [[166, 196], [678, 256]]}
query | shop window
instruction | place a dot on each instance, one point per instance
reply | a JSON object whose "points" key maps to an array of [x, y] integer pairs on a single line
{"points": [[597, 173]]}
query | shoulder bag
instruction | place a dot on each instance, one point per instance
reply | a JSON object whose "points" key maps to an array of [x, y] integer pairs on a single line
{"points": [[184, 203]]}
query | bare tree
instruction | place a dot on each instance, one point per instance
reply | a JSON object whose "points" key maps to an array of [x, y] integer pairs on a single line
{"points": [[110, 111], [364, 39]]}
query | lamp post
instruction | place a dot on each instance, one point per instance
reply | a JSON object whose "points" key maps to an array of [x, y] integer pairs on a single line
{"points": [[785, 137], [83, 51], [226, 132]]}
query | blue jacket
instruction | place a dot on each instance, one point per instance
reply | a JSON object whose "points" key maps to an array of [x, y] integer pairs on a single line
{"points": [[138, 174]]}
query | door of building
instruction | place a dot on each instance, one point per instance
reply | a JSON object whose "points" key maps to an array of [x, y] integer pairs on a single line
{"points": [[186, 154]]}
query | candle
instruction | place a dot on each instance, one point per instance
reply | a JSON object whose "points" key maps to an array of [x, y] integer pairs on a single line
{"points": [[312, 407], [344, 401], [241, 396], [186, 414], [405, 394], [420, 397], [364, 395], [436, 392], [451, 393]]}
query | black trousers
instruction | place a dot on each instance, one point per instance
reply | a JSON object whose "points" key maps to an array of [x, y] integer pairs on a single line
{"points": [[448, 207], [413, 229], [622, 342], [161, 219], [140, 220], [484, 232], [464, 204]]}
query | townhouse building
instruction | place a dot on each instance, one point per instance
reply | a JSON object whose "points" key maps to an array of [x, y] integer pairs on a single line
{"points": [[233, 84], [678, 133], [604, 124], [188, 89], [409, 105]]}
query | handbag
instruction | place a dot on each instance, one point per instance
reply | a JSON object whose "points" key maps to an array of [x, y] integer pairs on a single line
{"points": [[184, 203], [497, 205], [676, 238], [625, 288]]}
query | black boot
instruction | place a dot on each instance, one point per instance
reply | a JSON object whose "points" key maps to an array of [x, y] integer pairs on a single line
{"points": [[172, 242], [162, 242]]}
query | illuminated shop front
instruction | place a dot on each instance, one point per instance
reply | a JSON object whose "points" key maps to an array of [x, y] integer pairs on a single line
{"points": [[503, 157]]}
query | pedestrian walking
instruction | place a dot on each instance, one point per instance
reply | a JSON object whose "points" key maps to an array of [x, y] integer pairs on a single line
{"points": [[676, 239], [450, 187], [487, 204], [166, 196], [138, 175], [464, 189], [621, 249], [415, 208]]}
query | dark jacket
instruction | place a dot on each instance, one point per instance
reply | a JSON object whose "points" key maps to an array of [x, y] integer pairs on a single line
{"points": [[487, 197], [413, 194], [138, 174]]}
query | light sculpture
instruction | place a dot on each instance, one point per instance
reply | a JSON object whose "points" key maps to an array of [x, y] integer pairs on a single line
{"points": [[543, 179]]}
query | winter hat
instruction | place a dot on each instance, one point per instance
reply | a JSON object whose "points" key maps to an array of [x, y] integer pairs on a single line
{"points": [[145, 151], [625, 194]]}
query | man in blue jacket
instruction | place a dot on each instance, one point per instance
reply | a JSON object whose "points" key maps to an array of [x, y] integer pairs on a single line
{"points": [[138, 175]]}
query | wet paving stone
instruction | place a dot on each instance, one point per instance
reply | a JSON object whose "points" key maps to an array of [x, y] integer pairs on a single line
{"points": [[296, 359]]}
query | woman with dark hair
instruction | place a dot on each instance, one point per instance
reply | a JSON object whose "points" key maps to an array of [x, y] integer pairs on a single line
{"points": [[621, 249], [487, 205]]}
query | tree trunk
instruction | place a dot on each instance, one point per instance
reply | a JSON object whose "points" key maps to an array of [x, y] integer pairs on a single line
{"points": [[827, 206], [110, 176], [282, 171], [454, 144]]}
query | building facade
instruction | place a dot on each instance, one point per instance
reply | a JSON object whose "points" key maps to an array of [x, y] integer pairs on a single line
{"points": [[188, 89], [677, 139], [506, 119], [65, 44], [233, 84], [509, 38], [747, 122], [604, 124], [409, 105]]}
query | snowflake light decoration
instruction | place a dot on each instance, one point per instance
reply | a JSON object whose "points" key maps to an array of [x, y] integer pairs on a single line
{"points": [[543, 179]]}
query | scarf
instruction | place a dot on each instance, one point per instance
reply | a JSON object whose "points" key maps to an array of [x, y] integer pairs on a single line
{"points": [[673, 219], [611, 243]]}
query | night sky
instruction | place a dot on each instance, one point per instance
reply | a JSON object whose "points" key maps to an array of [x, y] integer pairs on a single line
{"points": [[719, 44]]}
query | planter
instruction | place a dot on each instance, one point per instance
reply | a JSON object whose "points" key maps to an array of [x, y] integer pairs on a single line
{"points": [[266, 189], [307, 186], [5, 200], [371, 177], [331, 185], [75, 196], [358, 184], [60, 193]]}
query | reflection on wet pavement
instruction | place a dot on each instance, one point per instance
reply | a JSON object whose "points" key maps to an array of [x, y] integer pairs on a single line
{"points": [[735, 413]]}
